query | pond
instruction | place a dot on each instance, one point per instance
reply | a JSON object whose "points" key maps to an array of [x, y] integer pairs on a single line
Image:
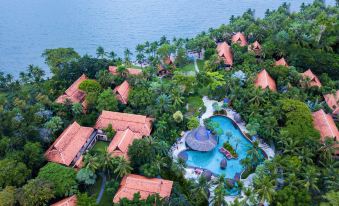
{"points": [[211, 160]]}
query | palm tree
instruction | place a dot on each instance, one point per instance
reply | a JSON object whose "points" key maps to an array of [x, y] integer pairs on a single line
{"points": [[106, 162], [163, 103], [247, 163], [91, 162], [254, 154], [128, 55], [265, 188], [100, 52], [159, 163], [112, 55], [257, 97], [122, 166], [220, 192], [178, 100], [201, 188], [310, 178]]}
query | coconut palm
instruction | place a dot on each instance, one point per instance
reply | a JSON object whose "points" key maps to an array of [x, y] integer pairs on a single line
{"points": [[265, 188], [122, 166], [101, 52], [254, 154], [106, 163], [219, 192], [91, 162], [112, 55], [201, 189]]}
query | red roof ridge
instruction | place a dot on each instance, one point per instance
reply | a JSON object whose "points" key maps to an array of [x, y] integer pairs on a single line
{"points": [[69, 201], [314, 79], [122, 91], [224, 51], [131, 71], [324, 123], [281, 62], [264, 80], [239, 36], [332, 101]]}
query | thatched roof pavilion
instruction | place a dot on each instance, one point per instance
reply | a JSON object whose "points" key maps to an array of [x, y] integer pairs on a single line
{"points": [[201, 139]]}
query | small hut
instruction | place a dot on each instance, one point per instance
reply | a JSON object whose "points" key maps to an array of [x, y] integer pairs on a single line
{"points": [[201, 139]]}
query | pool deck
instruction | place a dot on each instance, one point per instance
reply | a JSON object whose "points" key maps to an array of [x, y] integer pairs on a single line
{"points": [[180, 146]]}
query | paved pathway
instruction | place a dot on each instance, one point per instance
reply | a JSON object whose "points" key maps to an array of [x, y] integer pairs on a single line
{"points": [[196, 65], [102, 188]]}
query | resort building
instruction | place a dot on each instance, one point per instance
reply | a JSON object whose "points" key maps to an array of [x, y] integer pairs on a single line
{"points": [[256, 48], [201, 139], [122, 92], [332, 101], [281, 62], [74, 94], [264, 80], [165, 66], [324, 123], [69, 201], [239, 38], [114, 70], [313, 80], [225, 52], [138, 124], [132, 184], [68, 148], [121, 141]]}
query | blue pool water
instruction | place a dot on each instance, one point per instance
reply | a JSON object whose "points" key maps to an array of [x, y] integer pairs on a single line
{"points": [[211, 160]]}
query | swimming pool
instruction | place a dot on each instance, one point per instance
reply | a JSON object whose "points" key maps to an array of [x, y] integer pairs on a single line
{"points": [[211, 160]]}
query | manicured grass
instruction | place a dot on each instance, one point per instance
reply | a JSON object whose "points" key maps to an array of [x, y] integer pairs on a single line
{"points": [[100, 146], [201, 64], [187, 68]]}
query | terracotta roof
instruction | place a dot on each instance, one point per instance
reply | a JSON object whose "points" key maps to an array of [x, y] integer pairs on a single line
{"points": [[281, 62], [73, 93], [314, 81], [66, 147], [239, 38], [69, 201], [114, 70], [332, 101], [225, 52], [132, 184], [324, 123], [122, 92], [122, 121], [256, 45], [264, 80], [168, 60], [121, 141]]}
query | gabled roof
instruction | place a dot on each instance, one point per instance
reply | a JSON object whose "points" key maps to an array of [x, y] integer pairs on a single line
{"points": [[256, 46], [73, 93], [121, 141], [114, 70], [66, 147], [122, 121], [314, 81], [332, 101], [132, 184], [69, 201], [324, 123], [281, 62], [264, 80], [225, 52], [122, 92], [239, 38]]}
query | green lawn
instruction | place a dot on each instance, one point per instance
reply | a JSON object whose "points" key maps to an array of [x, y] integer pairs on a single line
{"points": [[194, 104], [100, 146], [94, 190], [190, 67]]}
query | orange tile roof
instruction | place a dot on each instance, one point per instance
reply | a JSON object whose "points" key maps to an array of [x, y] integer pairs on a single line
{"points": [[114, 70], [132, 184], [264, 80], [256, 45], [281, 62], [69, 201], [314, 81], [225, 52], [239, 38], [324, 123], [122, 121], [73, 93], [332, 101], [122, 92], [121, 141], [66, 147]]}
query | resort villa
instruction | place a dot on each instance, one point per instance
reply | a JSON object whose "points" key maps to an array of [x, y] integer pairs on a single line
{"points": [[264, 80], [69, 201], [74, 94], [332, 101], [281, 62], [121, 141], [132, 71], [225, 53], [256, 48], [122, 92], [239, 38], [132, 184], [68, 148], [324, 123], [312, 78]]}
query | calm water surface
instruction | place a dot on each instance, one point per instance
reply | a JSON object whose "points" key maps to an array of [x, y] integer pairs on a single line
{"points": [[27, 27]]}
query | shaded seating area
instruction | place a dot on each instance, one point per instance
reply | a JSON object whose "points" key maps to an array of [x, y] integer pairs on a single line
{"points": [[200, 139]]}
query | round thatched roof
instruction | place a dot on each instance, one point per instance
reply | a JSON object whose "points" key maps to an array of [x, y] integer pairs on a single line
{"points": [[201, 139]]}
